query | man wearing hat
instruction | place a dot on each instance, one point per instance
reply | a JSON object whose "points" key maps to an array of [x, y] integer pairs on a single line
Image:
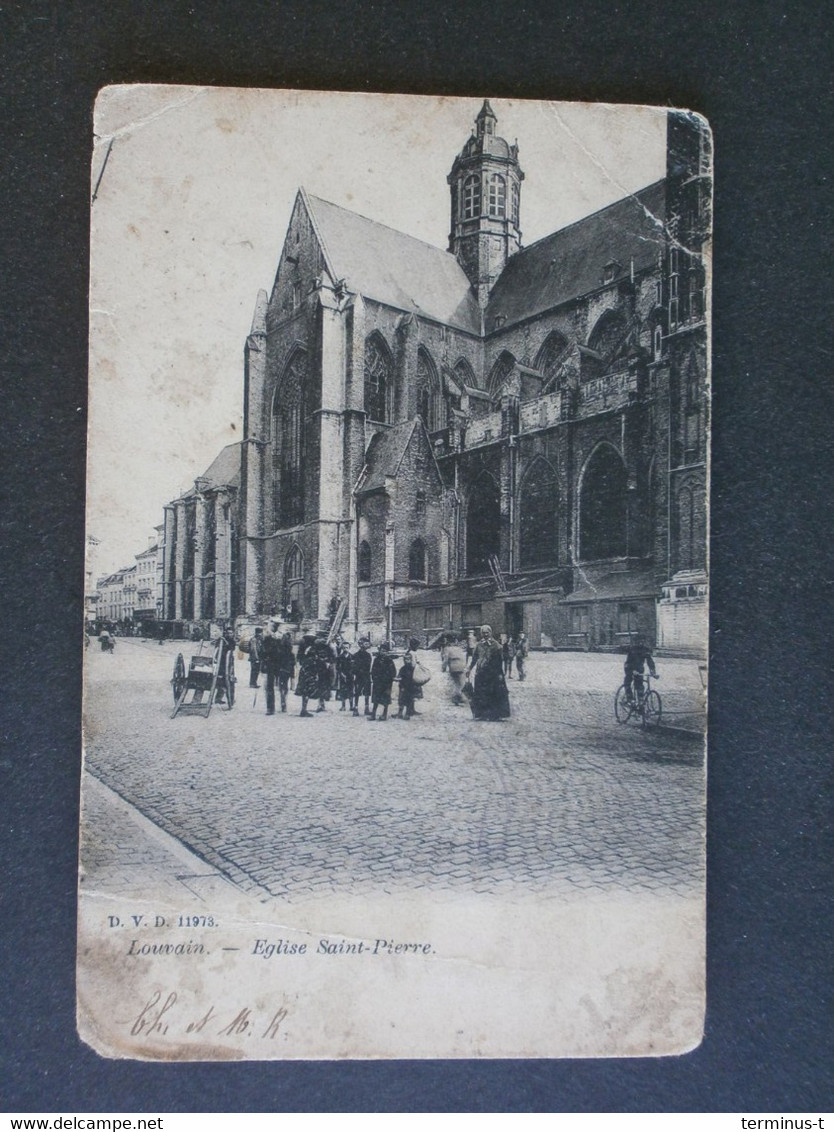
{"points": [[361, 665], [255, 647], [269, 662]]}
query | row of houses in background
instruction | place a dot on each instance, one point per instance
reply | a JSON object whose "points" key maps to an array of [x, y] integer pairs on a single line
{"points": [[130, 597], [435, 439]]}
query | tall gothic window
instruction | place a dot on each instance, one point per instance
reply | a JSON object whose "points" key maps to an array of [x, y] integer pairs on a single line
{"points": [[364, 563], [497, 196], [538, 516], [288, 415], [603, 506], [483, 524], [429, 400], [377, 380], [417, 561], [472, 197]]}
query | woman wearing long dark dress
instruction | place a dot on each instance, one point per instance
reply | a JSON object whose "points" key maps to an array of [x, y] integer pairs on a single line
{"points": [[307, 685], [490, 699]]}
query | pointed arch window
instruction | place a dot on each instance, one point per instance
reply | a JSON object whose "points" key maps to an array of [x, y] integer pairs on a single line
{"points": [[417, 561], [603, 506], [499, 374], [429, 400], [608, 334], [483, 525], [472, 197], [550, 357], [538, 516], [288, 443], [293, 596], [378, 371], [364, 561]]}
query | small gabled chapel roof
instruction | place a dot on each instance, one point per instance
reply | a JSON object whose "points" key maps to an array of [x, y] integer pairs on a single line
{"points": [[380, 263], [386, 452]]}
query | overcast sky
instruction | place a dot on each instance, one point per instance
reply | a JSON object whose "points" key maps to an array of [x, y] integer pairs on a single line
{"points": [[188, 224]]}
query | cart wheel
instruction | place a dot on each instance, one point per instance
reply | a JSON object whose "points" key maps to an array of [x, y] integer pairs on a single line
{"points": [[178, 679], [230, 680], [652, 709], [622, 707]]}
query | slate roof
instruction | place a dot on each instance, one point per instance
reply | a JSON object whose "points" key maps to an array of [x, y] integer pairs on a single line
{"points": [[385, 454], [570, 262], [224, 470], [391, 267]]}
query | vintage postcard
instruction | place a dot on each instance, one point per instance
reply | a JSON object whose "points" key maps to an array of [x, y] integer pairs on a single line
{"points": [[397, 590]]}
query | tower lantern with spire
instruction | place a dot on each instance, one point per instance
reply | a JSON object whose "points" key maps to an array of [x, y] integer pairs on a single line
{"points": [[485, 184]]}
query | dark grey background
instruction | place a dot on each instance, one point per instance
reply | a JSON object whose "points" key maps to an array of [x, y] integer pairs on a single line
{"points": [[761, 72]]}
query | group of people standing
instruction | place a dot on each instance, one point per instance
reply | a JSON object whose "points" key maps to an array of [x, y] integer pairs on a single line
{"points": [[363, 679], [326, 671]]}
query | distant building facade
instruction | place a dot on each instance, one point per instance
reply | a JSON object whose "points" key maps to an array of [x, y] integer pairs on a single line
{"points": [[198, 564], [489, 433]]}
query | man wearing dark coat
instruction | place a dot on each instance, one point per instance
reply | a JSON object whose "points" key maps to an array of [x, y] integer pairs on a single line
{"points": [[490, 699], [285, 667], [361, 665], [255, 646], [325, 669], [269, 665]]}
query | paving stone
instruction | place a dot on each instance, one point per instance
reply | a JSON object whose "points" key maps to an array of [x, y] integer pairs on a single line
{"points": [[558, 797]]}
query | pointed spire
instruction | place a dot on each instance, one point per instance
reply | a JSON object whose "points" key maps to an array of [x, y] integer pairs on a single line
{"points": [[259, 317], [486, 119]]}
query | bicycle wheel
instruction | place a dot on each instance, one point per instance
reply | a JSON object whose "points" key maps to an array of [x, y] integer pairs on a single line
{"points": [[652, 709], [622, 708]]}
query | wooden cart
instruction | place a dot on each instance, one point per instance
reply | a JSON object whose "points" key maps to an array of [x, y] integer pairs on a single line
{"points": [[210, 679]]}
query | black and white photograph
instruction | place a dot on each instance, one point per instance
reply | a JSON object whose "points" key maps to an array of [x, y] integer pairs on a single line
{"points": [[396, 597]]}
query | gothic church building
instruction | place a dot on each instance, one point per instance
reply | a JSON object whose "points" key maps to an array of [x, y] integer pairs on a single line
{"points": [[489, 433]]}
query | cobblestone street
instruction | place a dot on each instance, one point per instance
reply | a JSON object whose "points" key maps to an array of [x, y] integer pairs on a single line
{"points": [[559, 800]]}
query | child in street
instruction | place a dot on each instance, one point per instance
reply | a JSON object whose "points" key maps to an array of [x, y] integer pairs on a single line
{"points": [[383, 672], [405, 699]]}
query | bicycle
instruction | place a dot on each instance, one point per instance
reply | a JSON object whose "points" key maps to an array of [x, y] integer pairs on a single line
{"points": [[646, 704]]}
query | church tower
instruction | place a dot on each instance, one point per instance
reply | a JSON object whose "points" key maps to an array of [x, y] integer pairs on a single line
{"points": [[485, 184]]}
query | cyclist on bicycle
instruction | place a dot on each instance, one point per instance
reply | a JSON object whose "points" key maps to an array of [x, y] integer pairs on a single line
{"points": [[638, 657]]}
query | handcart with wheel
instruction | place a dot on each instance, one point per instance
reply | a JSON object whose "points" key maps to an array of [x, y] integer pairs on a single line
{"points": [[210, 679]]}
